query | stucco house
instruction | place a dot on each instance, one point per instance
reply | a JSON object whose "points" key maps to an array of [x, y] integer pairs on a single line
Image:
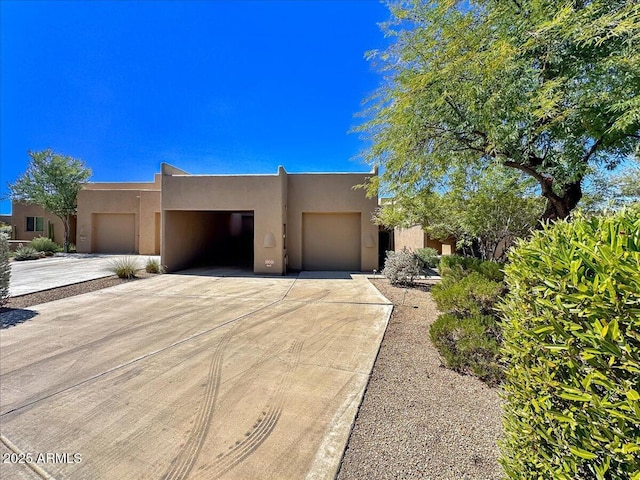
{"points": [[270, 223], [30, 221]]}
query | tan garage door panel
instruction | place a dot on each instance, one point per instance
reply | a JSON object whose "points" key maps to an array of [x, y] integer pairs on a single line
{"points": [[114, 233], [331, 241]]}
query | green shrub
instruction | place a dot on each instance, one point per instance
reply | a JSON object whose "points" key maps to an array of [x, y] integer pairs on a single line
{"points": [[469, 345], [460, 266], [125, 267], [468, 333], [474, 294], [26, 253], [5, 268], [154, 266], [401, 267], [44, 244], [428, 257], [572, 351]]}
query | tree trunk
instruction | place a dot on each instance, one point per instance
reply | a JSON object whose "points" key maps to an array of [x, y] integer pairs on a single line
{"points": [[560, 206]]}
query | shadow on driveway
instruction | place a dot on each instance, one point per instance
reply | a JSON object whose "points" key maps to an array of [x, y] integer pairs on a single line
{"points": [[247, 272], [10, 317]]}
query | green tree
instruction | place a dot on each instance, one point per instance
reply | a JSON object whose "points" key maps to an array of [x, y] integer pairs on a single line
{"points": [[549, 88], [485, 211], [52, 181]]}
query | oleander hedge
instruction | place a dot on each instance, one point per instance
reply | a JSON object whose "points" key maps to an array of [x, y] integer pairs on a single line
{"points": [[571, 347]]}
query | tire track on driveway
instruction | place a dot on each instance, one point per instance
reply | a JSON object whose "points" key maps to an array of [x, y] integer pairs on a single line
{"points": [[265, 424], [48, 395], [181, 466], [183, 463]]}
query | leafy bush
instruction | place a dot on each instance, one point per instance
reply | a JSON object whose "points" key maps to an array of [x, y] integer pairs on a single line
{"points": [[125, 267], [460, 266], [5, 269], [401, 267], [44, 244], [474, 294], [469, 345], [154, 266], [572, 351], [26, 253], [428, 257], [468, 334]]}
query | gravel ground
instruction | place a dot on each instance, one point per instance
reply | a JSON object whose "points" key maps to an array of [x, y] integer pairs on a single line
{"points": [[419, 419], [24, 301]]}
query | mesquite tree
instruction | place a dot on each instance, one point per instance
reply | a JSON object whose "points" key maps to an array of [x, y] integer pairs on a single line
{"points": [[550, 88]]}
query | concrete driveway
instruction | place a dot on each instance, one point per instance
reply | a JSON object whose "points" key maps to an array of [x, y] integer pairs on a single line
{"points": [[63, 269], [190, 376]]}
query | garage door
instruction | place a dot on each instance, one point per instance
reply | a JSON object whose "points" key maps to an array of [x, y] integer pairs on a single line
{"points": [[331, 241], [114, 233]]}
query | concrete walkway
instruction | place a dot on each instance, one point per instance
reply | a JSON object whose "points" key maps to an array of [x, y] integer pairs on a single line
{"points": [[63, 269], [191, 376]]}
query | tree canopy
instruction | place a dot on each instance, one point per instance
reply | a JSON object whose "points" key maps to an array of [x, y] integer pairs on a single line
{"points": [[547, 87], [485, 211], [52, 181]]}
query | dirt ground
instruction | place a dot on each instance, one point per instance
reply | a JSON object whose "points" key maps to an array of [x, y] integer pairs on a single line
{"points": [[419, 419]]}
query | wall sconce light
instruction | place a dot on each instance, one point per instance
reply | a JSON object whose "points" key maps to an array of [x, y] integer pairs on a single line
{"points": [[269, 240], [369, 241]]}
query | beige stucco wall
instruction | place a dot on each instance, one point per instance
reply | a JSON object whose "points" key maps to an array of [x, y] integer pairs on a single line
{"points": [[262, 194], [140, 199], [331, 193], [155, 185], [20, 212], [149, 215], [413, 238], [186, 237]]}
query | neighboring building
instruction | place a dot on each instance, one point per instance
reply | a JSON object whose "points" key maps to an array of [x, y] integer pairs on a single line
{"points": [[414, 238], [30, 221], [119, 218]]}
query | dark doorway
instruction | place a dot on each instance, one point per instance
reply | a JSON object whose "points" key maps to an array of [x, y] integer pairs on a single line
{"points": [[385, 244], [231, 240], [208, 239]]}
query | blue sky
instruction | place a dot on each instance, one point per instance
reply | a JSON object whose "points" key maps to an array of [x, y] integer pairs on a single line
{"points": [[208, 86]]}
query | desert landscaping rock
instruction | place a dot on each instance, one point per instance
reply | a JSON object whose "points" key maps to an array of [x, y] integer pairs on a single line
{"points": [[418, 419]]}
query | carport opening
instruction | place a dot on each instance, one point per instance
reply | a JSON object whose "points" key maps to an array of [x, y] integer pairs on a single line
{"points": [[210, 238]]}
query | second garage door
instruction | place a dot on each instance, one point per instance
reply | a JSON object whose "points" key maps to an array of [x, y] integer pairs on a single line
{"points": [[331, 241], [114, 233]]}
